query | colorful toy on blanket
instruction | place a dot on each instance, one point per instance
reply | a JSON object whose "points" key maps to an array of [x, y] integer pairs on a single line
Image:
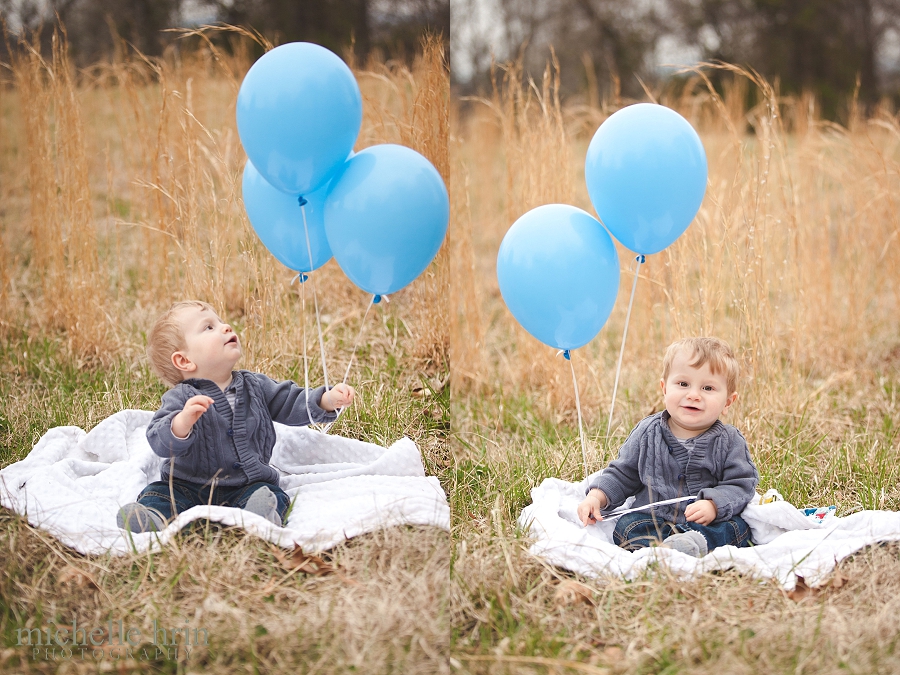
{"points": [[818, 514], [771, 496]]}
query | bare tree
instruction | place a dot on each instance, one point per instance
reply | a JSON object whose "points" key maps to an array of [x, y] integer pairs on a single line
{"points": [[393, 26], [828, 47], [598, 43]]}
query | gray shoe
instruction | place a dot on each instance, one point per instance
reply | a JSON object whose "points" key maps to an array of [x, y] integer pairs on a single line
{"points": [[690, 542], [136, 517], [264, 503]]}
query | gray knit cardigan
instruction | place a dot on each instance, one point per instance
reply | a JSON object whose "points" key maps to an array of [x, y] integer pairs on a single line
{"points": [[232, 447], [654, 466]]}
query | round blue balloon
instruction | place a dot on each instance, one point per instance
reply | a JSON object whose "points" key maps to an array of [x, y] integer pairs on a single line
{"points": [[646, 175], [278, 220], [386, 216], [299, 111], [559, 274]]}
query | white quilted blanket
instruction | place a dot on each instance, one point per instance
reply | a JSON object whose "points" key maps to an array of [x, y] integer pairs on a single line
{"points": [[789, 544], [72, 483]]}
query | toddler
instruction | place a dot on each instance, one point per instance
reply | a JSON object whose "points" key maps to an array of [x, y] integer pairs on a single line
{"points": [[215, 425], [681, 451]]}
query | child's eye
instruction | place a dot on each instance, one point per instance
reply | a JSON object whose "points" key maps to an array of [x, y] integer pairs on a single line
{"points": [[682, 384], [708, 388]]}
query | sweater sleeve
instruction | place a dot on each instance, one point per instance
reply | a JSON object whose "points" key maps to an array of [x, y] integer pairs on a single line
{"points": [[159, 432], [738, 481], [288, 403], [621, 479]]}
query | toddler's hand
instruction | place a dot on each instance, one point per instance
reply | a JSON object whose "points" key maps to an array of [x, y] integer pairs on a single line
{"points": [[184, 421], [339, 396], [702, 512], [589, 509]]}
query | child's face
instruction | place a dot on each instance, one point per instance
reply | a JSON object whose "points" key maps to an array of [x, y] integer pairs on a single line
{"points": [[211, 347], [694, 397]]}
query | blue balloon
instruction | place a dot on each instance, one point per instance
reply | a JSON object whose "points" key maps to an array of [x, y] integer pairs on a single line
{"points": [[646, 176], [386, 216], [299, 111], [559, 274], [278, 220]]}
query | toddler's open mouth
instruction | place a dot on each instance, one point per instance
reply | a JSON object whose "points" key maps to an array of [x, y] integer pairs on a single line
{"points": [[232, 340]]}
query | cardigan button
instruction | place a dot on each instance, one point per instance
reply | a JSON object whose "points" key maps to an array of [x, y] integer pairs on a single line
{"points": [[230, 432], [681, 476], [236, 465]]}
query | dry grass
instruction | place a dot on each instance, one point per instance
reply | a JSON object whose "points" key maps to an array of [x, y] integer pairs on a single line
{"points": [[384, 612], [513, 615], [120, 187], [793, 259]]}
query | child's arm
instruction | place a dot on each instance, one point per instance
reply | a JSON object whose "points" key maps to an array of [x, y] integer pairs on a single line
{"points": [[621, 479], [184, 421], [737, 484], [589, 509], [168, 438], [288, 402]]}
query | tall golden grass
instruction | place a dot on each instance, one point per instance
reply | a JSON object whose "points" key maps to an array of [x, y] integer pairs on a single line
{"points": [[792, 258], [122, 186]]}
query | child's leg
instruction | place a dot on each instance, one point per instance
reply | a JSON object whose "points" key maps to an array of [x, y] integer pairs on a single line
{"points": [[183, 495], [640, 530], [243, 497], [734, 532], [156, 504]]}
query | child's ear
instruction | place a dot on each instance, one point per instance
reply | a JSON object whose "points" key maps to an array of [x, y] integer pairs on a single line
{"points": [[183, 363], [732, 397]]}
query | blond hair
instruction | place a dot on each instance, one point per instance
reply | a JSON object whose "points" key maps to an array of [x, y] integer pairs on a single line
{"points": [[166, 338], [705, 350]]}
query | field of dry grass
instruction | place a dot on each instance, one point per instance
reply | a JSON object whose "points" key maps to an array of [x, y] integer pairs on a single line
{"points": [[120, 193], [793, 259]]}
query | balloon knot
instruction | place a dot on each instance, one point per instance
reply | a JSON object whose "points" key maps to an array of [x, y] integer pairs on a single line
{"points": [[301, 200], [376, 299], [641, 259], [300, 277], [566, 355]]}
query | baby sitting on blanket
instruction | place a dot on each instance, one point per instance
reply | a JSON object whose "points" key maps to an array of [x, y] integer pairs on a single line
{"points": [[214, 427], [684, 450]]}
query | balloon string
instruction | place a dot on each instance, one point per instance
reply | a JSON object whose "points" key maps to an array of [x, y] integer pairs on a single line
{"points": [[350, 363], [302, 277], [315, 295], [578, 408], [638, 261]]}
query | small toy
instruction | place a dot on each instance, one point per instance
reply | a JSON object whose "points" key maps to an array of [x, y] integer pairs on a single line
{"points": [[819, 514]]}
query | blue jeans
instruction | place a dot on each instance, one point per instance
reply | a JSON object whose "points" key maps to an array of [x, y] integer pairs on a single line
{"points": [[185, 494], [639, 530]]}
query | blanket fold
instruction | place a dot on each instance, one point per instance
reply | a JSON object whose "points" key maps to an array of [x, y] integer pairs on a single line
{"points": [[73, 482]]}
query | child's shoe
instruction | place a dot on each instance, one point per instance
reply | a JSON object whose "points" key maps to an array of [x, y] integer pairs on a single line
{"points": [[136, 517], [264, 503], [690, 542]]}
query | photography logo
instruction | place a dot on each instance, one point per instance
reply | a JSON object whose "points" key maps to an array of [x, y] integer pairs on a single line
{"points": [[112, 641]]}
